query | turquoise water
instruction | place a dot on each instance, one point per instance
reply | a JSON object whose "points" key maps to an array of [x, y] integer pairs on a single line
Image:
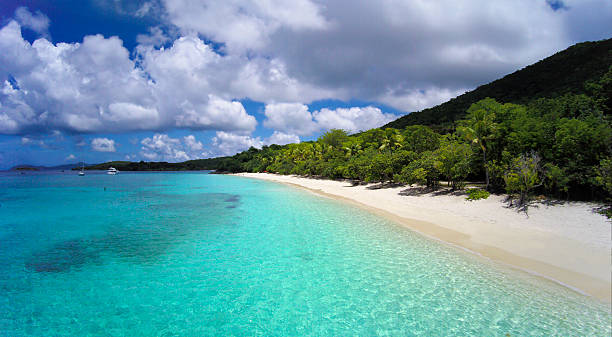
{"points": [[192, 254]]}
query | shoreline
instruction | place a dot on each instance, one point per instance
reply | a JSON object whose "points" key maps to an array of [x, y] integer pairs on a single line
{"points": [[567, 244]]}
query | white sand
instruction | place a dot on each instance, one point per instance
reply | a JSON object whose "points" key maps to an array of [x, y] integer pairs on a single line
{"points": [[568, 243]]}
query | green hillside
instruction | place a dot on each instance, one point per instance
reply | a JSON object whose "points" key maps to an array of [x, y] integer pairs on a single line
{"points": [[562, 73], [190, 165]]}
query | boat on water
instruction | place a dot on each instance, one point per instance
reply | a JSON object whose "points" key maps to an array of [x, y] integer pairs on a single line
{"points": [[82, 171], [111, 170]]}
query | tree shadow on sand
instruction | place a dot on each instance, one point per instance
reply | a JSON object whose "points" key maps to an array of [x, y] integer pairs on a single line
{"points": [[382, 185], [512, 202], [434, 192]]}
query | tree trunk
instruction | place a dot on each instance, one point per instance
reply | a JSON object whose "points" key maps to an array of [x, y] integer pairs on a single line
{"points": [[484, 157], [523, 197]]}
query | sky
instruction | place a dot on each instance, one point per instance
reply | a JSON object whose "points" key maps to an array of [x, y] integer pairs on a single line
{"points": [[173, 80]]}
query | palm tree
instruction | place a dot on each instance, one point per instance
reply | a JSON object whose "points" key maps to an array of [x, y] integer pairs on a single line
{"points": [[392, 139], [479, 127]]}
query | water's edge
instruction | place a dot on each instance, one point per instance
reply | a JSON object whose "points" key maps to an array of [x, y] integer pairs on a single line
{"points": [[577, 282]]}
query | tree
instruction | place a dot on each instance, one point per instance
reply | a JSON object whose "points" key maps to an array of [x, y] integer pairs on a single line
{"points": [[453, 161], [419, 138], [580, 145], [556, 180], [479, 127], [423, 170], [392, 139], [380, 168], [602, 91], [333, 138], [524, 175], [604, 176], [604, 180]]}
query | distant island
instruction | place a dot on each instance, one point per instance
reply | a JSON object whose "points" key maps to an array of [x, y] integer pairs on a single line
{"points": [[190, 165], [25, 167]]}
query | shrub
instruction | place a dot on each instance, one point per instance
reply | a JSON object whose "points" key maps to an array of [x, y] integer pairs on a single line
{"points": [[477, 194]]}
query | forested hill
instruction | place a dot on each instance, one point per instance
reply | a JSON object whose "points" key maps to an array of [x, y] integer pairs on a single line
{"points": [[562, 73], [190, 165]]}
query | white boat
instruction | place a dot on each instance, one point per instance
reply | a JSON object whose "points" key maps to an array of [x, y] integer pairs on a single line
{"points": [[82, 171], [112, 170]]}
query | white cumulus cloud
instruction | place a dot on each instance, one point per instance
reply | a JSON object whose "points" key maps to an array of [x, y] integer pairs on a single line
{"points": [[352, 119], [103, 145], [165, 148], [296, 119], [227, 143], [280, 138], [95, 86], [193, 144], [291, 118]]}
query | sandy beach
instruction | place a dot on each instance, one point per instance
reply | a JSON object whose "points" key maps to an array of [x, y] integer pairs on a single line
{"points": [[568, 243]]}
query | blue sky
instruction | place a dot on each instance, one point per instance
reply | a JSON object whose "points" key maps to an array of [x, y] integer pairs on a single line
{"points": [[99, 80]]}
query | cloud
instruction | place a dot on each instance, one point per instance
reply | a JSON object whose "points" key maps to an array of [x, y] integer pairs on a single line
{"points": [[166, 148], [352, 119], [82, 87], [296, 119], [130, 113], [393, 47], [412, 100], [192, 144], [137, 8], [586, 19], [408, 55], [37, 22], [280, 138], [226, 143], [31, 141], [191, 78], [396, 52], [218, 114], [94, 87], [103, 145], [290, 118], [70, 157], [243, 25], [147, 8], [400, 55], [156, 37]]}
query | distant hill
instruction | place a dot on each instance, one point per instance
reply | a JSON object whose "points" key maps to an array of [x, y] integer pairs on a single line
{"points": [[190, 165], [46, 168], [562, 73]]}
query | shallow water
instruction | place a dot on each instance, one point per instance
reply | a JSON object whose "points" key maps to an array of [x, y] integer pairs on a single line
{"points": [[144, 254]]}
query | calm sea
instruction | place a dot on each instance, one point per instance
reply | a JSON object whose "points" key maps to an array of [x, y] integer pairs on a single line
{"points": [[193, 254]]}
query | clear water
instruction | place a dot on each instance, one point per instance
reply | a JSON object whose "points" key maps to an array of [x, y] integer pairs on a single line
{"points": [[192, 254]]}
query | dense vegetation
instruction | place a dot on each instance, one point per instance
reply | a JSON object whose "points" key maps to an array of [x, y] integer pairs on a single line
{"points": [[558, 75], [561, 147], [190, 165]]}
